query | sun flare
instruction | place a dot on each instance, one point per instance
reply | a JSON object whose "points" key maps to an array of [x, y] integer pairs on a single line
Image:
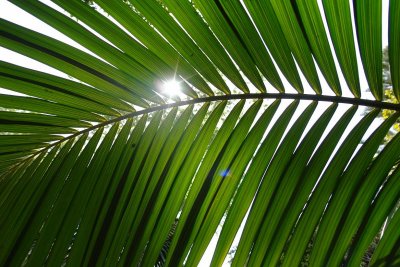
{"points": [[172, 87]]}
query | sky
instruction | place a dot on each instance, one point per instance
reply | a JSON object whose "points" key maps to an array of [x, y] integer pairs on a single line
{"points": [[12, 13]]}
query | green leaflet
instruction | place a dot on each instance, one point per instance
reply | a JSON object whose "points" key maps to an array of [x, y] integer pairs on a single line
{"points": [[60, 98], [268, 185], [46, 107], [235, 171], [347, 186], [289, 180], [394, 44], [142, 30], [27, 139], [218, 142], [89, 246], [77, 64], [158, 17], [153, 173], [216, 20], [64, 160], [368, 16], [167, 178], [305, 186], [252, 41], [267, 24], [296, 41], [387, 251], [62, 204], [95, 181], [116, 239], [367, 188], [214, 182], [105, 100], [202, 36], [317, 39], [381, 207], [132, 148], [340, 27], [182, 182], [13, 197], [319, 198], [249, 185], [143, 70]]}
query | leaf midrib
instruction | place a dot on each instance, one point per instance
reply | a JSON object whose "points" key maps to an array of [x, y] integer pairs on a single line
{"points": [[312, 97]]}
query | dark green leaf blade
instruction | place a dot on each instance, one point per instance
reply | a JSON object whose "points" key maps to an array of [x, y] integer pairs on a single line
{"points": [[368, 14], [317, 38], [296, 41], [338, 17], [394, 44]]}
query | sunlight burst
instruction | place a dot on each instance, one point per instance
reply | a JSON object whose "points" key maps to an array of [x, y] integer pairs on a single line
{"points": [[172, 87]]}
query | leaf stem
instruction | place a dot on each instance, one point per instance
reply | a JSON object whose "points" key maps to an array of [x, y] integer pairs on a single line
{"points": [[313, 97]]}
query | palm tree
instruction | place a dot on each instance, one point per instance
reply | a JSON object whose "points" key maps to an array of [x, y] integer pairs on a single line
{"points": [[106, 168]]}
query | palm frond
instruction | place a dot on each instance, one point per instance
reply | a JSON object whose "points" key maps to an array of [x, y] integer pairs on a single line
{"points": [[97, 165]]}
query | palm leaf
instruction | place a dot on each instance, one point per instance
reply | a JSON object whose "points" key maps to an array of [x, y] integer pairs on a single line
{"points": [[103, 167]]}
